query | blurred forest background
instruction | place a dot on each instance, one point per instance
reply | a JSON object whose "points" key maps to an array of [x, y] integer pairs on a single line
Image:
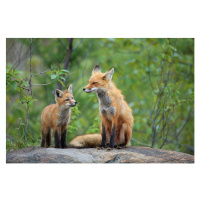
{"points": [[156, 76]]}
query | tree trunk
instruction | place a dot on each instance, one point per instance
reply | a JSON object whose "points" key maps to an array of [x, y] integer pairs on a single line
{"points": [[66, 64], [29, 93]]}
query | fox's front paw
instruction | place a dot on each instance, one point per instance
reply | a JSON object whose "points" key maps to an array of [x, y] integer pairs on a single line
{"points": [[107, 145], [119, 146], [109, 148], [101, 147], [64, 146]]}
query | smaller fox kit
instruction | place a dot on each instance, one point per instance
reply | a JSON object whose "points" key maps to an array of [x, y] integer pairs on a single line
{"points": [[57, 117]]}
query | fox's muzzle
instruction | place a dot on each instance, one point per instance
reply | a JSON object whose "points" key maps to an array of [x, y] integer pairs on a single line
{"points": [[73, 104], [86, 90], [90, 90]]}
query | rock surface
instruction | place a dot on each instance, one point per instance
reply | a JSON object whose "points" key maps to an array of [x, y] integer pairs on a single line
{"points": [[93, 155]]}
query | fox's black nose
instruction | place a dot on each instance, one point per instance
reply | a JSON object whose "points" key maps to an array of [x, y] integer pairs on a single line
{"points": [[83, 89], [75, 102]]}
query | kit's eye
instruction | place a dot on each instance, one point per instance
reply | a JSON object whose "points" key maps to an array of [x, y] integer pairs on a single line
{"points": [[66, 99], [94, 83], [72, 97]]}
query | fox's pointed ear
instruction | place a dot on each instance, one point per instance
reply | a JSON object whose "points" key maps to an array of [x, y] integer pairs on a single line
{"points": [[58, 93], [108, 75], [69, 89], [96, 69]]}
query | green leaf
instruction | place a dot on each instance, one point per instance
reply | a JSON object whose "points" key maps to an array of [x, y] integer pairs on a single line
{"points": [[60, 73], [64, 70], [169, 59], [49, 72], [61, 83], [163, 56], [173, 48], [26, 83], [53, 76], [14, 85], [170, 52], [18, 72], [60, 77], [19, 77], [64, 74]]}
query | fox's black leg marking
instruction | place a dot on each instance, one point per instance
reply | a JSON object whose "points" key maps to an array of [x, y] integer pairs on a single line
{"points": [[112, 142], [63, 139], [48, 138], [42, 141], [57, 141], [103, 141]]}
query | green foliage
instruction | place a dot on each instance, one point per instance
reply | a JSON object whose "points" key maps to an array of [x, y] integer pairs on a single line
{"points": [[19, 141], [155, 75], [58, 73], [95, 127], [28, 99], [13, 78], [18, 85], [74, 123]]}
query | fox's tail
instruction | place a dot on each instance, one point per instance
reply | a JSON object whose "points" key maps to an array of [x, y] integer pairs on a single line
{"points": [[86, 141]]}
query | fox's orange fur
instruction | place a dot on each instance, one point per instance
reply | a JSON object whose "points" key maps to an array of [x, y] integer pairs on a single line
{"points": [[86, 141], [116, 115], [57, 117]]}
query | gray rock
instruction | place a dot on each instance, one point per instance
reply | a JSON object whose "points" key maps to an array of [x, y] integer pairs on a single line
{"points": [[92, 155]]}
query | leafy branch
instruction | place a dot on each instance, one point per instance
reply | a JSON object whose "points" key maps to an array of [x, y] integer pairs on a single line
{"points": [[167, 98]]}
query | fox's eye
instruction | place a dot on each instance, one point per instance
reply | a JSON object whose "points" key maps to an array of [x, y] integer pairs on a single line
{"points": [[72, 97], [94, 83], [66, 99]]}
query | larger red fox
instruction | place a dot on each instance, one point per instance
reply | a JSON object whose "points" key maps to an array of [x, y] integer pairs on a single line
{"points": [[57, 117], [116, 115]]}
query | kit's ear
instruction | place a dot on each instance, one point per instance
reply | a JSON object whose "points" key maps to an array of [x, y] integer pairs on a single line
{"points": [[96, 69], [69, 89], [58, 93], [108, 75]]}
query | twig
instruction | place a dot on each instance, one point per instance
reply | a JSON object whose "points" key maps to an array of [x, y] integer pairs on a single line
{"points": [[149, 69], [22, 58], [20, 55], [43, 84], [177, 134], [23, 88], [63, 44], [19, 132], [130, 52], [12, 100], [41, 72], [140, 142], [77, 44]]}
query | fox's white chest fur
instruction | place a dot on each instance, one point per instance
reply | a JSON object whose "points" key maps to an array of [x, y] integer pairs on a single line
{"points": [[63, 116], [105, 107]]}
